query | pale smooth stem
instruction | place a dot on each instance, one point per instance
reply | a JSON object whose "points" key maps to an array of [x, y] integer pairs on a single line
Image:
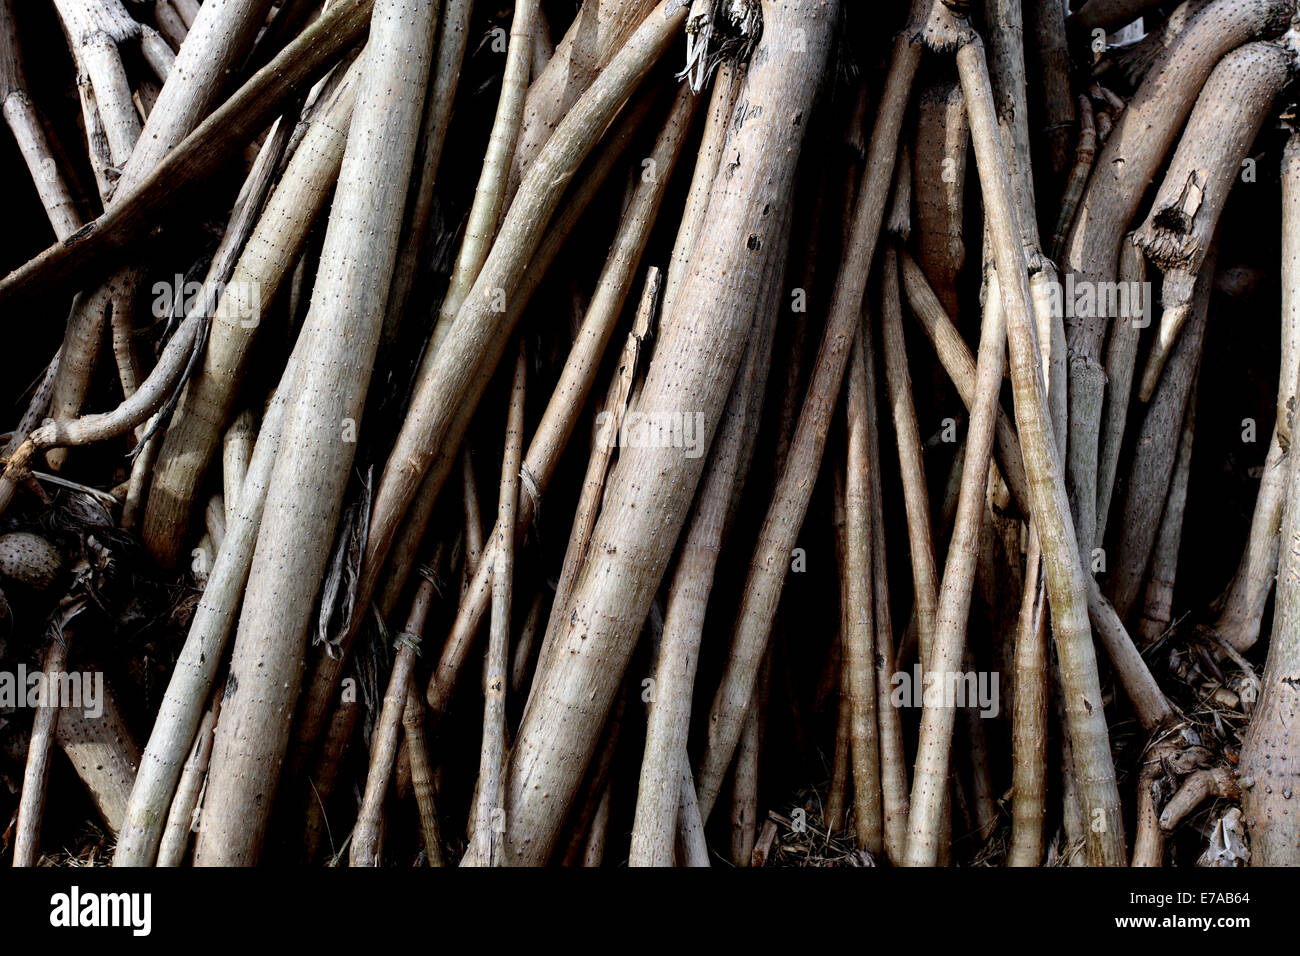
{"points": [[916, 498], [893, 765], [196, 666], [31, 804], [1157, 604], [667, 725], [1121, 361], [29, 132], [1063, 567], [490, 194], [1029, 717], [367, 834], [930, 778], [453, 377], [858, 594], [492, 759], [183, 816], [1242, 607]]}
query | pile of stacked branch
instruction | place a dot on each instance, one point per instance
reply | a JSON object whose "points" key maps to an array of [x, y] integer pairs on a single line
{"points": [[651, 431]]}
